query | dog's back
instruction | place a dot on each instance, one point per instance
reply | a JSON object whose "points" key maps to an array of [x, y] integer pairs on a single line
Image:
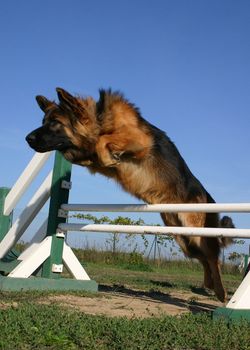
{"points": [[162, 172]]}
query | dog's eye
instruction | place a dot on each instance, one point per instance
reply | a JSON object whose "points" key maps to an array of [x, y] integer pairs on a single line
{"points": [[54, 123], [55, 126]]}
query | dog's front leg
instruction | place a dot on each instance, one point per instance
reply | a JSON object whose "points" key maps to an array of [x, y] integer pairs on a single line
{"points": [[134, 143], [103, 152], [85, 162]]}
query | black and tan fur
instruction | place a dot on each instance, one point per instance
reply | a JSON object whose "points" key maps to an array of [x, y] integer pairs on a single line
{"points": [[111, 137]]}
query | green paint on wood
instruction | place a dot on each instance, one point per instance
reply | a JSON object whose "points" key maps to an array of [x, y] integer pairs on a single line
{"points": [[11, 256], [7, 266], [246, 264], [231, 314], [5, 225], [61, 171], [5, 221], [38, 283]]}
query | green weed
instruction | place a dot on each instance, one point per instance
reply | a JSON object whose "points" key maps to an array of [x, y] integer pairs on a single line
{"points": [[51, 327]]}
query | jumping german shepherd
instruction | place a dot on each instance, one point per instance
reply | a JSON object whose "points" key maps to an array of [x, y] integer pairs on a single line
{"points": [[111, 137]]}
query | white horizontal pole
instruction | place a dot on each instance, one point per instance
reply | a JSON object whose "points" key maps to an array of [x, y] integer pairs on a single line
{"points": [[24, 180], [159, 230], [23, 221], [152, 208]]}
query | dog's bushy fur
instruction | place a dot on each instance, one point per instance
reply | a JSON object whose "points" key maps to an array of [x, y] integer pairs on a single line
{"points": [[111, 137]]}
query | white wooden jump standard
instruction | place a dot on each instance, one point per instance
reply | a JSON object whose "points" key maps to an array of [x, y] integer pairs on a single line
{"points": [[40, 246], [37, 253], [26, 217]]}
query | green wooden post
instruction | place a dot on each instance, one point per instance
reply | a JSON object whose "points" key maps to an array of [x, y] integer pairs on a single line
{"points": [[5, 221], [9, 261], [246, 264], [59, 195]]}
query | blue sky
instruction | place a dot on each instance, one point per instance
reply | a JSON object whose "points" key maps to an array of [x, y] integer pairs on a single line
{"points": [[184, 63]]}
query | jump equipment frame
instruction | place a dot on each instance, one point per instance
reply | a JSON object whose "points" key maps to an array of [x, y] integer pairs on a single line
{"points": [[41, 264]]}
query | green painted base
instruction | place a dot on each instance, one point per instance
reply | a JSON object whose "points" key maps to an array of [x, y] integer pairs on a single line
{"points": [[231, 314], [12, 255], [7, 266], [38, 283]]}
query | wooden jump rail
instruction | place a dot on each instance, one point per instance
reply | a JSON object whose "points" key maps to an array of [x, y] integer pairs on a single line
{"points": [[159, 208]]}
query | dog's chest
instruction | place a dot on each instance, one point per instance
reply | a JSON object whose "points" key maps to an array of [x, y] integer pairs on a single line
{"points": [[139, 180]]}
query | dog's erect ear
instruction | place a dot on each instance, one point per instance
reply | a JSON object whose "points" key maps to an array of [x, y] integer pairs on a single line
{"points": [[66, 99], [43, 102], [71, 104]]}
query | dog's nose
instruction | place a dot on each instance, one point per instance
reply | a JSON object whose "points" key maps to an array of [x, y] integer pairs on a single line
{"points": [[30, 138]]}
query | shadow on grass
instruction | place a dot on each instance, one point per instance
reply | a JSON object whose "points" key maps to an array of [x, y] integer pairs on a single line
{"points": [[193, 289], [200, 291], [160, 297], [163, 284]]}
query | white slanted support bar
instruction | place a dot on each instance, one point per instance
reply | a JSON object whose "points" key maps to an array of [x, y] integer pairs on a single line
{"points": [[41, 233], [241, 298], [37, 253], [34, 243], [73, 265], [33, 260], [20, 225], [157, 208], [158, 230], [23, 182]]}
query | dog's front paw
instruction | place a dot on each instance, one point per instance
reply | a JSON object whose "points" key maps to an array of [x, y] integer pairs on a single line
{"points": [[110, 163], [86, 162], [110, 159], [117, 156], [107, 161]]}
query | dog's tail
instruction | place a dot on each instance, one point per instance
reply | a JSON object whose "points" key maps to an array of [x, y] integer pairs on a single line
{"points": [[226, 222]]}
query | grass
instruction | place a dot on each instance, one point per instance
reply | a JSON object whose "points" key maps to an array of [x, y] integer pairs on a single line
{"points": [[41, 327], [173, 276], [27, 323]]}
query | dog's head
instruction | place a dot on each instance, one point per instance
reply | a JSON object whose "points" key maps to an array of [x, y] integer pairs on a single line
{"points": [[67, 126]]}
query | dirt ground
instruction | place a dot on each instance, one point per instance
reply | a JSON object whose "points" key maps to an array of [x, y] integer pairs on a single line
{"points": [[123, 302]]}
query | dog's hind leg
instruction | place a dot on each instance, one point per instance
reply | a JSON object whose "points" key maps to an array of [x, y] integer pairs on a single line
{"points": [[209, 257], [219, 290], [207, 251], [208, 280]]}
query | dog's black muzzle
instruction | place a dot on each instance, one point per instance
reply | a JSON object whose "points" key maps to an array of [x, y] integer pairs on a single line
{"points": [[42, 140], [31, 138]]}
